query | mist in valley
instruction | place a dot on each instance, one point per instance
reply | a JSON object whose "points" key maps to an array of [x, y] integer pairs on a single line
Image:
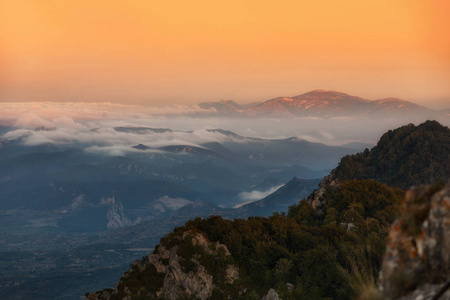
{"points": [[78, 180]]}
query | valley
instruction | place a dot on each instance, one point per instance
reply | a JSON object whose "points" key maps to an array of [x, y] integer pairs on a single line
{"points": [[76, 210]]}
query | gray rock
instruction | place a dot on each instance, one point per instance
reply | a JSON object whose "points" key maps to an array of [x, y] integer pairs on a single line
{"points": [[417, 258], [271, 295], [290, 287], [315, 199]]}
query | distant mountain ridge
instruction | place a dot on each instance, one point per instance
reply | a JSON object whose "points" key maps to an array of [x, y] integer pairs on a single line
{"points": [[280, 200], [238, 148], [319, 103]]}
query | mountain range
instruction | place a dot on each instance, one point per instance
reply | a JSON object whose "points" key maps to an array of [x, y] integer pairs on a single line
{"points": [[68, 211], [323, 104], [331, 251]]}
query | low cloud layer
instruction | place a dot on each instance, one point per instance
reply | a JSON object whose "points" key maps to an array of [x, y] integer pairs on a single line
{"points": [[110, 141], [92, 124], [70, 114], [258, 195]]}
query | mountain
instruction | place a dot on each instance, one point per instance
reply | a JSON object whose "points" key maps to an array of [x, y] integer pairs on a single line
{"points": [[290, 151], [409, 155], [74, 209], [395, 106], [280, 200], [323, 104], [336, 251], [263, 152], [316, 103], [243, 259], [141, 195]]}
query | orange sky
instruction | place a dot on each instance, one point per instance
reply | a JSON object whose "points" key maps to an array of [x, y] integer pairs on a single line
{"points": [[158, 52]]}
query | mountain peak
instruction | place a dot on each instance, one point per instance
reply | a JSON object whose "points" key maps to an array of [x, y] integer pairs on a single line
{"points": [[326, 91], [328, 95], [320, 103]]}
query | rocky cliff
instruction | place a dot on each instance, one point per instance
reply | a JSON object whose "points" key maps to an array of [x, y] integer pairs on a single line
{"points": [[182, 266], [417, 259]]}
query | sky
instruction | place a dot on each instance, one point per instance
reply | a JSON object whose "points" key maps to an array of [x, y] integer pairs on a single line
{"points": [[186, 52]]}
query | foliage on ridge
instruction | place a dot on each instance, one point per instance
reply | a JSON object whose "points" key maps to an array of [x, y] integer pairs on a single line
{"points": [[337, 252], [409, 155], [320, 254]]}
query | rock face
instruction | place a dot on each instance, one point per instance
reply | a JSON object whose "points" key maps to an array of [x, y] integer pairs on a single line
{"points": [[271, 295], [315, 199], [178, 282], [417, 259], [177, 263]]}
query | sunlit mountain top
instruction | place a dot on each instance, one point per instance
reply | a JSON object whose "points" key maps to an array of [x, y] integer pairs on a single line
{"points": [[324, 104]]}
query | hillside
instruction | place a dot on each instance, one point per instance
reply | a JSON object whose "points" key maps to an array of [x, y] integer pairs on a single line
{"points": [[280, 200], [307, 253], [409, 155], [301, 255], [75, 205]]}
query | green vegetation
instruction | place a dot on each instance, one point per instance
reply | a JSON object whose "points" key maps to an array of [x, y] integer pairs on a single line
{"points": [[409, 155], [320, 254], [332, 253], [142, 280]]}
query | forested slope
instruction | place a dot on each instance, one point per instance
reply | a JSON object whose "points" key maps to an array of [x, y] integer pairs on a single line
{"points": [[331, 253]]}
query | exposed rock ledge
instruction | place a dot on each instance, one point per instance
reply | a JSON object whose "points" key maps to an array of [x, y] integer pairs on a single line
{"points": [[178, 282], [417, 259], [315, 199], [178, 276]]}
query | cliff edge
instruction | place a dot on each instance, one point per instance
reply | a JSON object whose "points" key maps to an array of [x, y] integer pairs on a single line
{"points": [[417, 260]]}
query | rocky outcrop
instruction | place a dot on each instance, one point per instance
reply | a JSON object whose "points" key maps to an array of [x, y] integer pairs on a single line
{"points": [[271, 295], [417, 259], [116, 216], [316, 198], [179, 281], [182, 266]]}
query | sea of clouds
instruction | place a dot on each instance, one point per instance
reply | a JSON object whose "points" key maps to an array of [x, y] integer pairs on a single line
{"points": [[93, 124]]}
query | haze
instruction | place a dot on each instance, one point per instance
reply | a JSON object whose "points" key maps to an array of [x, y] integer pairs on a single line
{"points": [[156, 52]]}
